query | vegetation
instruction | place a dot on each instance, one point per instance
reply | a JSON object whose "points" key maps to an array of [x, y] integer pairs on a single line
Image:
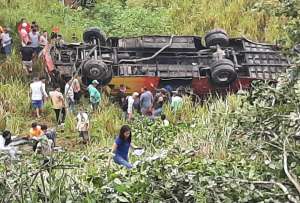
{"points": [[244, 148]]}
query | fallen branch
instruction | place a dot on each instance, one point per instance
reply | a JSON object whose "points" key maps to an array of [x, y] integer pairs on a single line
{"points": [[286, 170], [280, 185]]}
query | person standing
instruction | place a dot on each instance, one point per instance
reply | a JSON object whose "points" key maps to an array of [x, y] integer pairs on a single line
{"points": [[37, 92], [24, 22], [6, 42], [69, 94], [24, 34], [130, 102], [58, 103], [44, 39], [146, 101], [77, 89], [83, 125], [35, 37], [121, 95], [27, 54], [95, 96], [35, 25]]}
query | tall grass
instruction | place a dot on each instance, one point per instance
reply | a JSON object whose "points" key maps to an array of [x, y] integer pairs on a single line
{"points": [[46, 13], [210, 125], [237, 17]]}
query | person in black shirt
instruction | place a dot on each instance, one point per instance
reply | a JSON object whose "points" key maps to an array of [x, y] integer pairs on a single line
{"points": [[27, 54], [121, 96]]}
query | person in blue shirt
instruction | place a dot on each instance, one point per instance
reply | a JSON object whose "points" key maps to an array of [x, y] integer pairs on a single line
{"points": [[121, 147], [95, 96]]}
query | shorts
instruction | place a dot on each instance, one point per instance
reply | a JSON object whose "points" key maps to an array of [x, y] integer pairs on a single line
{"points": [[37, 50], [37, 104], [84, 135], [27, 65]]}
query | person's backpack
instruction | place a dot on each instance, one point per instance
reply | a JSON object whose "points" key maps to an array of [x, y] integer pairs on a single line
{"points": [[125, 104]]}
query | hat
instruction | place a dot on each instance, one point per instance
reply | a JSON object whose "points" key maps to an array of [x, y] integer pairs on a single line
{"points": [[135, 94], [24, 24], [95, 82]]}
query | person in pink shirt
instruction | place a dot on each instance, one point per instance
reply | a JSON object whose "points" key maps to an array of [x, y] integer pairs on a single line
{"points": [[27, 28], [76, 88], [24, 35]]}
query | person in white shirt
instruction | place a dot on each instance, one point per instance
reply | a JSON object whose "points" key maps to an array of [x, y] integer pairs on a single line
{"points": [[131, 100], [37, 92], [44, 39], [34, 36], [165, 122], [83, 125], [6, 42], [5, 140], [69, 94]]}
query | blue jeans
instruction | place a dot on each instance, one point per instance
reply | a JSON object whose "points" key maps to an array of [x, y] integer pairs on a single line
{"points": [[157, 112], [7, 50], [121, 161]]}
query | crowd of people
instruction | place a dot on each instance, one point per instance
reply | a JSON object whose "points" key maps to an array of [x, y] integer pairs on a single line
{"points": [[32, 38], [67, 99], [146, 103], [33, 41]]}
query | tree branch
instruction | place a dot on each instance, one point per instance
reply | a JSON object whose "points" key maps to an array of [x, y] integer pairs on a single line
{"points": [[286, 170], [280, 185]]}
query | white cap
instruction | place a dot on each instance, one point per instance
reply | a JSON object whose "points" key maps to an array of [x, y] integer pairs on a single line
{"points": [[95, 82], [24, 24], [135, 94]]}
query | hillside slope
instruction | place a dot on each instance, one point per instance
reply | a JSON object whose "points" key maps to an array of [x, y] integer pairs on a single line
{"points": [[238, 149]]}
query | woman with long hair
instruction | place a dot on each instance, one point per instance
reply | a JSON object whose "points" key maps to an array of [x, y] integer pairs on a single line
{"points": [[121, 147]]}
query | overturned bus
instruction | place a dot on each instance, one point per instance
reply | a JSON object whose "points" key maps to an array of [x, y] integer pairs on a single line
{"points": [[221, 64]]}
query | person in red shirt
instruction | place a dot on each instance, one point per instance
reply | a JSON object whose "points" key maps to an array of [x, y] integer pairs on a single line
{"points": [[27, 28], [24, 36]]}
